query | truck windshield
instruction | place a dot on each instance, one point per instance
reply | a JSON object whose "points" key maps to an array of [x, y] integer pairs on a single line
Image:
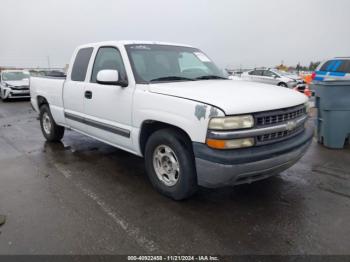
{"points": [[14, 76], [166, 63]]}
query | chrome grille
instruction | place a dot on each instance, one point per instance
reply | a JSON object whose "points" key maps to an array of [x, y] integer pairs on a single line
{"points": [[276, 117], [270, 126], [278, 136], [279, 116], [20, 87], [20, 95]]}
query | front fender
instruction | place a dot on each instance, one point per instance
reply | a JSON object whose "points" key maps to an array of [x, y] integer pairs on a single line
{"points": [[190, 116]]}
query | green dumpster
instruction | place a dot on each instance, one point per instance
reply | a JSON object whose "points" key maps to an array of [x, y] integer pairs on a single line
{"points": [[333, 112]]}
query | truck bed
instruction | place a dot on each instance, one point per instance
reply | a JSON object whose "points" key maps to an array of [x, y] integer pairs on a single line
{"points": [[49, 87]]}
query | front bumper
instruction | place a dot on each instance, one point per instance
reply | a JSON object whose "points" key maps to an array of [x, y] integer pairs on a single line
{"points": [[217, 168], [10, 93]]}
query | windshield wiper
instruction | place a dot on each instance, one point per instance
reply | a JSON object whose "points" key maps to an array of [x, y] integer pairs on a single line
{"points": [[171, 78], [209, 77]]}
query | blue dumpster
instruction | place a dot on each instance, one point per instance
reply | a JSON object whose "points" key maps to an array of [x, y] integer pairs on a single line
{"points": [[333, 108]]}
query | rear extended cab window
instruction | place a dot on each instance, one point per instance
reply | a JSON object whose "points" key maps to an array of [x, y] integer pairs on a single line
{"points": [[81, 64]]}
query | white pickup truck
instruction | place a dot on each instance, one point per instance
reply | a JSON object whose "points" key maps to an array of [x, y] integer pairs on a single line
{"points": [[170, 104]]}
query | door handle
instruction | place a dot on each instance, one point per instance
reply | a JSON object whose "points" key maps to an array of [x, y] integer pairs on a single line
{"points": [[88, 94]]}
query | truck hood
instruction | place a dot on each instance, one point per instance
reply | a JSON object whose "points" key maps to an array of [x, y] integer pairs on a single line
{"points": [[231, 96]]}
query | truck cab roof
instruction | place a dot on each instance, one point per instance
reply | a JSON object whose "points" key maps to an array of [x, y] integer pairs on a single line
{"points": [[131, 42]]}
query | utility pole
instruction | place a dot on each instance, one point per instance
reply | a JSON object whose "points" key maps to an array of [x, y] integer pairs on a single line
{"points": [[298, 67], [48, 62]]}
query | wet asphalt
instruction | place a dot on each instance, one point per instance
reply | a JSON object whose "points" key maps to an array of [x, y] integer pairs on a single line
{"points": [[84, 197]]}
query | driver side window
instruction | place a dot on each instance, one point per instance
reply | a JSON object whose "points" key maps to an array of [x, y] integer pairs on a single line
{"points": [[256, 73], [108, 58], [269, 73]]}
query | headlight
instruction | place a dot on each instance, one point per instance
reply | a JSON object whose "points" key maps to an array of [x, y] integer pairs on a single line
{"points": [[232, 122], [6, 85], [231, 144]]}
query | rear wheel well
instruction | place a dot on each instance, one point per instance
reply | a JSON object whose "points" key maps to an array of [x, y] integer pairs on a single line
{"points": [[150, 126], [41, 101]]}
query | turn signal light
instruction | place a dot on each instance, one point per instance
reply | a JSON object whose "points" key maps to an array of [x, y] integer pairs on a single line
{"points": [[230, 144]]}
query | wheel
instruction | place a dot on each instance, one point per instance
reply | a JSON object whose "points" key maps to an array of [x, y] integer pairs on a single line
{"points": [[51, 131], [283, 84], [170, 164]]}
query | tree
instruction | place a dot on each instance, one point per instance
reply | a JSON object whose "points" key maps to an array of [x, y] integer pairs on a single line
{"points": [[314, 65]]}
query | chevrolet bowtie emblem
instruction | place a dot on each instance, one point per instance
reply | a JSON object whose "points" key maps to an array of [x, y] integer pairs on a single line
{"points": [[291, 125]]}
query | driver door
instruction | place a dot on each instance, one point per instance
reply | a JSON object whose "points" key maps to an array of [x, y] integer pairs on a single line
{"points": [[108, 108]]}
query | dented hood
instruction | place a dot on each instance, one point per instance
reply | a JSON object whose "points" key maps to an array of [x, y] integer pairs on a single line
{"points": [[24, 82], [233, 96]]}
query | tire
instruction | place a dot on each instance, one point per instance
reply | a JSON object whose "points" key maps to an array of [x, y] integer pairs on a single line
{"points": [[283, 85], [169, 148], [51, 131]]}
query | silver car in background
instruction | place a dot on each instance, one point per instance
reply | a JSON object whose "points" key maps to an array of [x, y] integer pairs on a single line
{"points": [[274, 77], [14, 84]]}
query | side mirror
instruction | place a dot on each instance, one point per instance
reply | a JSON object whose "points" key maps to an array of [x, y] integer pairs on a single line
{"points": [[110, 77]]}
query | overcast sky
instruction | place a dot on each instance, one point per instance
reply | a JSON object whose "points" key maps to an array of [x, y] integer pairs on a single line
{"points": [[232, 32]]}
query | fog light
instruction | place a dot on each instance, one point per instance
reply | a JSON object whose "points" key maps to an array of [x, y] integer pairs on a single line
{"points": [[231, 144]]}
